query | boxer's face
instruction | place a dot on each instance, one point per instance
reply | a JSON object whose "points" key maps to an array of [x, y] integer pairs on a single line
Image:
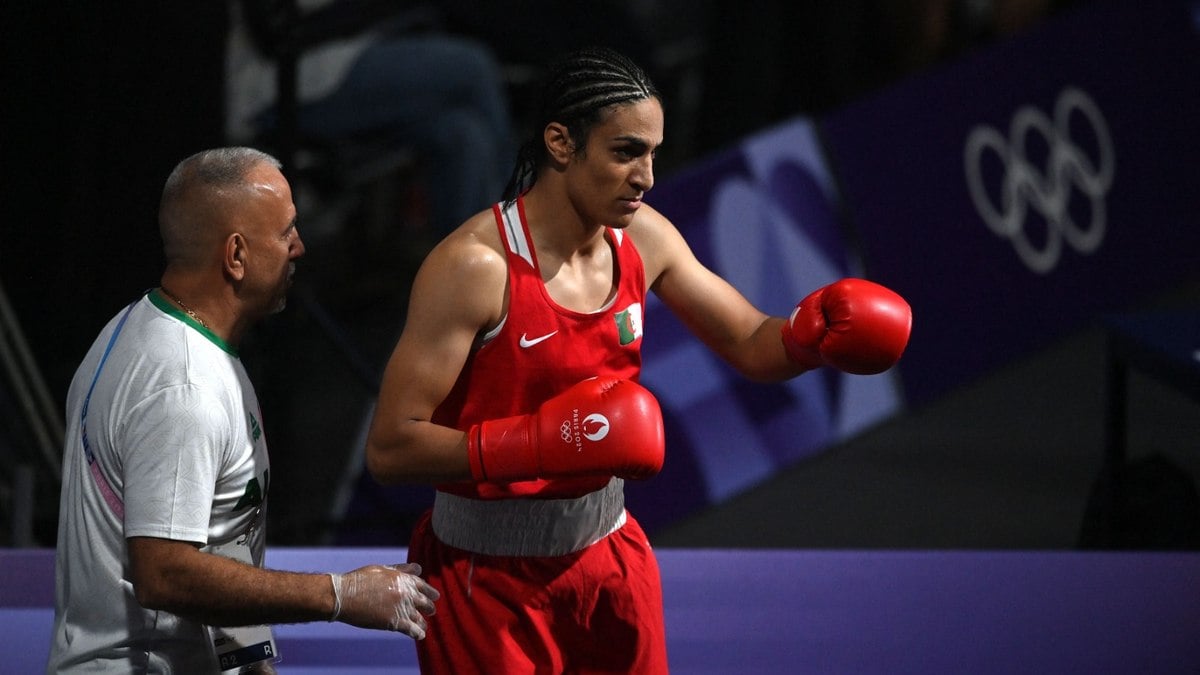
{"points": [[607, 181]]}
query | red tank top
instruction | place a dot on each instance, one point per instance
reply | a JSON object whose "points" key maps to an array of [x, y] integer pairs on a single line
{"points": [[541, 348]]}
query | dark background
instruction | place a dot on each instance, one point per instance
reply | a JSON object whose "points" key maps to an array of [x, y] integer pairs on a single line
{"points": [[100, 100]]}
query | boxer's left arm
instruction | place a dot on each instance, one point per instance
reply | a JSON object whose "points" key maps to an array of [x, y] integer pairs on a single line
{"points": [[852, 325], [711, 308]]}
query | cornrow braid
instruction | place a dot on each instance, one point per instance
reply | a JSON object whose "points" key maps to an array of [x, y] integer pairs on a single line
{"points": [[576, 90]]}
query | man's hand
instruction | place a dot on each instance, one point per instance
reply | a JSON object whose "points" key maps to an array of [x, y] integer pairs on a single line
{"points": [[389, 597]]}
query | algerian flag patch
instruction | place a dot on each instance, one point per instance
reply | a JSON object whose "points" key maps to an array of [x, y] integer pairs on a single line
{"points": [[629, 323]]}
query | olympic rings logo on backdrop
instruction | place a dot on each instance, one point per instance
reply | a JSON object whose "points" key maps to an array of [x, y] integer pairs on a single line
{"points": [[1048, 192]]}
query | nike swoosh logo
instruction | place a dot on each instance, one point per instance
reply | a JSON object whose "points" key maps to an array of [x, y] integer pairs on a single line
{"points": [[526, 343]]}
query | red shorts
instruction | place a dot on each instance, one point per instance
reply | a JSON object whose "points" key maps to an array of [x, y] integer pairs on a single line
{"points": [[598, 610]]}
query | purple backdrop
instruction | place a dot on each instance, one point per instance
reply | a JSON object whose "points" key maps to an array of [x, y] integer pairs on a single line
{"points": [[1016, 195], [763, 215]]}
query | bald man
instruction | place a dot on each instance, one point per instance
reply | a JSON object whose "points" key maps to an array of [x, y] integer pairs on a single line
{"points": [[166, 472]]}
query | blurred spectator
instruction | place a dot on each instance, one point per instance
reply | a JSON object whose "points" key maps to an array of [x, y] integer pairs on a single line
{"points": [[363, 74]]}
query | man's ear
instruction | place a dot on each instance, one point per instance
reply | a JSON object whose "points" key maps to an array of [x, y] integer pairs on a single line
{"points": [[558, 142], [234, 258]]}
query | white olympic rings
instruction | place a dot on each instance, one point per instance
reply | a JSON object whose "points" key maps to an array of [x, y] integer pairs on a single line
{"points": [[1025, 186]]}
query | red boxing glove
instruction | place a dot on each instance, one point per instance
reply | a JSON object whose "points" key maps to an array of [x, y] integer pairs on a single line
{"points": [[601, 426], [853, 325]]}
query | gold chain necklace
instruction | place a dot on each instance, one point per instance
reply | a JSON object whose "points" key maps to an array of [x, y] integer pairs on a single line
{"points": [[190, 312]]}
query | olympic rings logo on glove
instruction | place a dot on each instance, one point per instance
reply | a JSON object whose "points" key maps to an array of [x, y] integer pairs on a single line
{"points": [[594, 428], [1048, 192]]}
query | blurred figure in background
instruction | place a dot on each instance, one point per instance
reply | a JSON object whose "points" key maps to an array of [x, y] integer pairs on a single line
{"points": [[371, 70]]}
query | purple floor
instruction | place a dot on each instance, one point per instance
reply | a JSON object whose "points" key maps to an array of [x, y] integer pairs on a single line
{"points": [[756, 611]]}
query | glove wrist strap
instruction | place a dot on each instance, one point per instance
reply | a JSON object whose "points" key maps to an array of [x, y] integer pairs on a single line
{"points": [[502, 451], [805, 357]]}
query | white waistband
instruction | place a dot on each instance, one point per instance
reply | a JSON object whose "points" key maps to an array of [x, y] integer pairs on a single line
{"points": [[529, 527]]}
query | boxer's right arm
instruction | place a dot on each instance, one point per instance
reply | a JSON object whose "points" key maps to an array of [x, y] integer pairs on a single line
{"points": [[457, 293]]}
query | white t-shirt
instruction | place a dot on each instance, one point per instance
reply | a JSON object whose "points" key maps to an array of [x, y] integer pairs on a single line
{"points": [[175, 428]]}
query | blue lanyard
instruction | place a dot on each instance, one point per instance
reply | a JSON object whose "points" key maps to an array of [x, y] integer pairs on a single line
{"points": [[110, 496]]}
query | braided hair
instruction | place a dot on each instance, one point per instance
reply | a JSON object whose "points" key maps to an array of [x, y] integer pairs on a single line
{"points": [[577, 88]]}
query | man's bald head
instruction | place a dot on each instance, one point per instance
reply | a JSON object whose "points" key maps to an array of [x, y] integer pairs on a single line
{"points": [[199, 199]]}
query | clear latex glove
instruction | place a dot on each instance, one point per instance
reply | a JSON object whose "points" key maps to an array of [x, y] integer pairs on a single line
{"points": [[387, 597]]}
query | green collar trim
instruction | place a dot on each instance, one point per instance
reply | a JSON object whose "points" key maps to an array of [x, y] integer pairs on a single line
{"points": [[169, 307]]}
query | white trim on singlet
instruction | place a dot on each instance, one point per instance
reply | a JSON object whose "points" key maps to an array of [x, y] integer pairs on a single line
{"points": [[491, 334], [517, 242], [514, 233]]}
